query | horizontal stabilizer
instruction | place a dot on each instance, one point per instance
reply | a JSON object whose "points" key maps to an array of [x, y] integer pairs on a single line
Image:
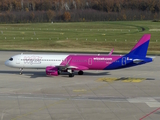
{"points": [[153, 57], [137, 61]]}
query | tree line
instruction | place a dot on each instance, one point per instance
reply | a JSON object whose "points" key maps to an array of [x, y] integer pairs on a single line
{"points": [[13, 11]]}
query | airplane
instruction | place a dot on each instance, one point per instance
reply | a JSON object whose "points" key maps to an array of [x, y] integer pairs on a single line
{"points": [[55, 64]]}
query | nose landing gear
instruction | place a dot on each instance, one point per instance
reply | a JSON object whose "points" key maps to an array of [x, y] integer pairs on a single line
{"points": [[21, 70]]}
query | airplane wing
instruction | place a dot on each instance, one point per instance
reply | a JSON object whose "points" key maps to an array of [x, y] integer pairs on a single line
{"points": [[64, 65], [78, 67], [73, 67], [67, 65]]}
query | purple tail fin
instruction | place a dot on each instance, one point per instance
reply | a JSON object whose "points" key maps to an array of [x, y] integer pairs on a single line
{"points": [[140, 49]]}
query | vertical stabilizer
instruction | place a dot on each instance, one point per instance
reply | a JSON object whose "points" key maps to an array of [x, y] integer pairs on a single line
{"points": [[140, 49]]}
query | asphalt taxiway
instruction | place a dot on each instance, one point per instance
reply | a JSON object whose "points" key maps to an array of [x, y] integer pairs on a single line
{"points": [[125, 94]]}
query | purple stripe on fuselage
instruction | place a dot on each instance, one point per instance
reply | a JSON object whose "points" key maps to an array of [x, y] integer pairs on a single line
{"points": [[92, 62], [143, 40]]}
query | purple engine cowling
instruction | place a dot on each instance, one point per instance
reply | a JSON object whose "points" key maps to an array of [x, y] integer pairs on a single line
{"points": [[52, 71]]}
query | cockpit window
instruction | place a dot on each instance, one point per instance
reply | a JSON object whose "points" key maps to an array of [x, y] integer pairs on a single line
{"points": [[11, 59]]}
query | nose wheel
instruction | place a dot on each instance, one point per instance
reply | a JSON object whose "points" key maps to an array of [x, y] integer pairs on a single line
{"points": [[21, 70]]}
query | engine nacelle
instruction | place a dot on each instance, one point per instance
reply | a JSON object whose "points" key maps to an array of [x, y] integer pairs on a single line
{"points": [[52, 71]]}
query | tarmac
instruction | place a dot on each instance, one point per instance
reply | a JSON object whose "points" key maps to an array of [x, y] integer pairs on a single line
{"points": [[124, 94]]}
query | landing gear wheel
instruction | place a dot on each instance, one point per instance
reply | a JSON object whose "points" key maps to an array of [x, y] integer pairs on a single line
{"points": [[80, 72], [21, 70], [71, 75], [59, 72]]}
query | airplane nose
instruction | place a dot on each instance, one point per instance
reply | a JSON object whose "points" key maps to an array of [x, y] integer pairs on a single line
{"points": [[6, 63]]}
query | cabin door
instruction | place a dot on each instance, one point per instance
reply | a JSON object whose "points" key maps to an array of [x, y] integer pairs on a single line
{"points": [[90, 61], [124, 61]]}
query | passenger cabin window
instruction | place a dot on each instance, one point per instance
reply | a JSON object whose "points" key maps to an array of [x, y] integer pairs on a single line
{"points": [[11, 59]]}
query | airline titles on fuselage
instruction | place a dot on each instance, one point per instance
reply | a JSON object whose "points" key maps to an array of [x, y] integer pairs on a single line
{"points": [[38, 59], [32, 59], [97, 58]]}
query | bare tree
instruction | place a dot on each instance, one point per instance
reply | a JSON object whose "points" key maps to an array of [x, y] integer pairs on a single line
{"points": [[50, 15]]}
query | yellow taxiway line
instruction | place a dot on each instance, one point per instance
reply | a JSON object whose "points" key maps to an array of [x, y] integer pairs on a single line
{"points": [[127, 79]]}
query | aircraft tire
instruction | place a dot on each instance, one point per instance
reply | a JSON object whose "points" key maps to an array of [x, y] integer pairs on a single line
{"points": [[71, 75], [59, 72], [80, 72]]}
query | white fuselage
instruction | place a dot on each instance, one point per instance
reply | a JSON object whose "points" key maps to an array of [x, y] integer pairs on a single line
{"points": [[34, 61]]}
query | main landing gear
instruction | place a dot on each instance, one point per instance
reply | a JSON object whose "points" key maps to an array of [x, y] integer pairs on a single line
{"points": [[71, 73], [59, 72], [80, 72], [21, 70]]}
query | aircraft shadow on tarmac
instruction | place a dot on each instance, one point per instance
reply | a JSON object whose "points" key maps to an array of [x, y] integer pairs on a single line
{"points": [[87, 74], [36, 74], [27, 73]]}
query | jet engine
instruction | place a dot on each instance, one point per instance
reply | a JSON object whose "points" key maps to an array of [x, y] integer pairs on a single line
{"points": [[52, 71]]}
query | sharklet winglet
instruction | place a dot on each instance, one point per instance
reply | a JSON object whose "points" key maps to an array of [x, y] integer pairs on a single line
{"points": [[111, 52]]}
